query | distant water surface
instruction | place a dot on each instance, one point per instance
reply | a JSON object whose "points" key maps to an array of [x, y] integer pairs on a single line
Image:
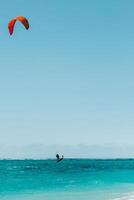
{"points": [[71, 179]]}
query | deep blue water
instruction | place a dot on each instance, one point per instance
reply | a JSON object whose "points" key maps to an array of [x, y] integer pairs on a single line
{"points": [[110, 177]]}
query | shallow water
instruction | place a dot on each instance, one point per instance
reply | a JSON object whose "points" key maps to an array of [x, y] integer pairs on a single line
{"points": [[71, 179]]}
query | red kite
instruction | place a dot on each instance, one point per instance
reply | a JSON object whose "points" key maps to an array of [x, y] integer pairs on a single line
{"points": [[22, 19]]}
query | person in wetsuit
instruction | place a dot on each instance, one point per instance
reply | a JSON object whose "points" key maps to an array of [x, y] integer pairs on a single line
{"points": [[58, 158]]}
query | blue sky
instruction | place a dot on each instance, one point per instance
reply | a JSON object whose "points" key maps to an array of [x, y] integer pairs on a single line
{"points": [[69, 79]]}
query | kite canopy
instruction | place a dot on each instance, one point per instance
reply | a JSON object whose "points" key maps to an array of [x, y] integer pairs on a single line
{"points": [[22, 19]]}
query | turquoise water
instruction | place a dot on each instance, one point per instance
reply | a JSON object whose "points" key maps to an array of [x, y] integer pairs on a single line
{"points": [[70, 179]]}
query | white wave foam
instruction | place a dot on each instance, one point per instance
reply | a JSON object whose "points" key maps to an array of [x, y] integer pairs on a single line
{"points": [[127, 197]]}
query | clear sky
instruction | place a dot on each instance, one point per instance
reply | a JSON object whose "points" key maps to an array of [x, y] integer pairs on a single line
{"points": [[69, 79]]}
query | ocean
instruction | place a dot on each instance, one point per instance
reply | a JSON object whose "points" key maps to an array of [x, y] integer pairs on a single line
{"points": [[71, 179]]}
